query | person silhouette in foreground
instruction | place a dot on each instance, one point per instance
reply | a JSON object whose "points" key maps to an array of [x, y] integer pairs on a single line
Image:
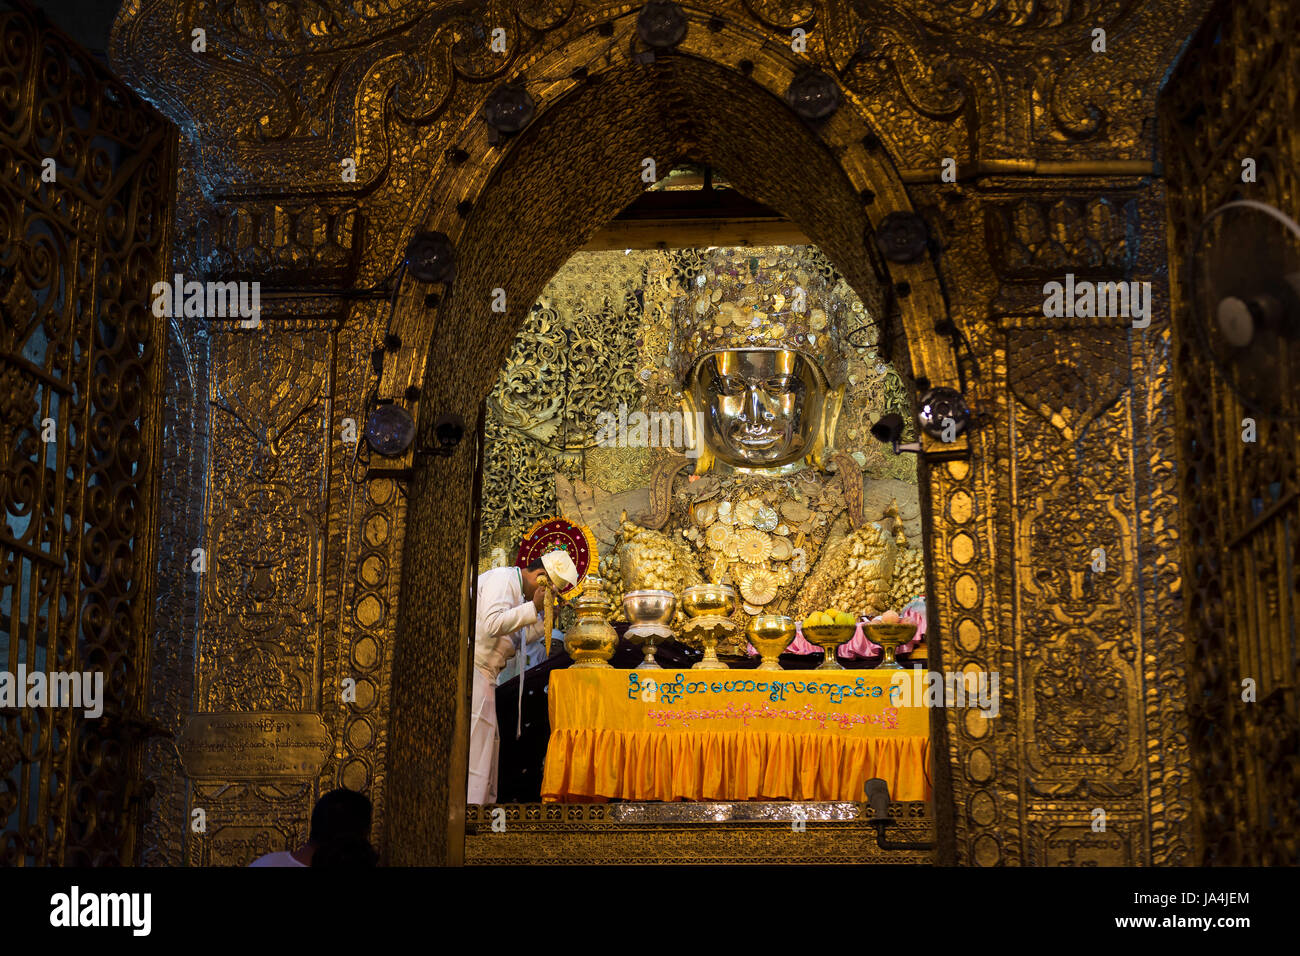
{"points": [[340, 821], [345, 852]]}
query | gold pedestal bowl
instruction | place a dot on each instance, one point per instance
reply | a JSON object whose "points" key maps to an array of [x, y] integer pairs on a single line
{"points": [[709, 607], [770, 634], [829, 637], [890, 636], [650, 614]]}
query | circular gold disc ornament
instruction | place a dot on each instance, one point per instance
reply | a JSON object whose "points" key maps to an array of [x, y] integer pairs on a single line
{"points": [[731, 547], [765, 518], [753, 546], [796, 511], [705, 512], [744, 512], [716, 536], [757, 585]]}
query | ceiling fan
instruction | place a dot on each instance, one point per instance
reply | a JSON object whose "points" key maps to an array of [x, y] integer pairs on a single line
{"points": [[1245, 265]]}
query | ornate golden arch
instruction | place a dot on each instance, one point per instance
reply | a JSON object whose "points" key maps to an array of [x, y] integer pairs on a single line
{"points": [[538, 184]]}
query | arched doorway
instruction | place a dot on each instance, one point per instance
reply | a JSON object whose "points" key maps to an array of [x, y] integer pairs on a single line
{"points": [[573, 169]]}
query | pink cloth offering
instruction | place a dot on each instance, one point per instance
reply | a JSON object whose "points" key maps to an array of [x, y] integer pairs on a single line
{"points": [[800, 644], [914, 613], [860, 646]]}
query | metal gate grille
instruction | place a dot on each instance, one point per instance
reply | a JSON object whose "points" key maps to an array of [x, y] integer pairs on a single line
{"points": [[78, 417]]}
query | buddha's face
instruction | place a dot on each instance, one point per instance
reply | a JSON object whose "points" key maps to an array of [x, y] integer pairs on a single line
{"points": [[761, 407]]}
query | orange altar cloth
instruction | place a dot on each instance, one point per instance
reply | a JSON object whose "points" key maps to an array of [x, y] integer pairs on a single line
{"points": [[732, 735]]}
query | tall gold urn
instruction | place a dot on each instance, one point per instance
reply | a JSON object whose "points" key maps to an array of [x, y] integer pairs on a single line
{"points": [[591, 640]]}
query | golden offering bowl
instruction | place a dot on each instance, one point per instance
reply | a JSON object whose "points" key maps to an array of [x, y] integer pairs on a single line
{"points": [[705, 631], [890, 636], [703, 600], [650, 607], [650, 614], [829, 637], [771, 634]]}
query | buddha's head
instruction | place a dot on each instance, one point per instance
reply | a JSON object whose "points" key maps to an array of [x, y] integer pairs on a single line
{"points": [[762, 408], [758, 355]]}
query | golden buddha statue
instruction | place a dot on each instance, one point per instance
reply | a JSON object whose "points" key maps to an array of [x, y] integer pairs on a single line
{"points": [[770, 508]]}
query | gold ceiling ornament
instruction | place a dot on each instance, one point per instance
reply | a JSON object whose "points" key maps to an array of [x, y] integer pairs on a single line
{"points": [[781, 549], [724, 513], [744, 512], [753, 546], [758, 585]]}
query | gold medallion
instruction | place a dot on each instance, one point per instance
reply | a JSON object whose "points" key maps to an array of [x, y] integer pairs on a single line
{"points": [[758, 585], [731, 546], [796, 511], [753, 546], [716, 536], [705, 512]]}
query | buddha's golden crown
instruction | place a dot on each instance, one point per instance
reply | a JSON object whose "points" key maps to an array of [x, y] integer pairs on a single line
{"points": [[760, 299]]}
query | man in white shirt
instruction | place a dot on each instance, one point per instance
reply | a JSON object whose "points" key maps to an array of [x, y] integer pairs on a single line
{"points": [[509, 613]]}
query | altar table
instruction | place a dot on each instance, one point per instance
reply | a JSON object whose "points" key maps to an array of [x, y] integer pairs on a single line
{"points": [[732, 735]]}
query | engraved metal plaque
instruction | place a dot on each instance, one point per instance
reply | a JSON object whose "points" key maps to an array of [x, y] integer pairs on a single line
{"points": [[253, 746]]}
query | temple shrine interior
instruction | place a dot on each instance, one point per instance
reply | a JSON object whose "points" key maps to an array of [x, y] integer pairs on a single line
{"points": [[573, 432]]}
